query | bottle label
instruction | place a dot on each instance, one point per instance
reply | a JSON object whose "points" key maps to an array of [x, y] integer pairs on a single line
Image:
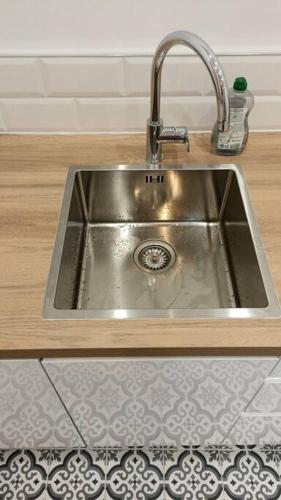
{"points": [[233, 139]]}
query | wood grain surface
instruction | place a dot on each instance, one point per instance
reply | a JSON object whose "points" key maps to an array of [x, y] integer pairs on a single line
{"points": [[32, 175]]}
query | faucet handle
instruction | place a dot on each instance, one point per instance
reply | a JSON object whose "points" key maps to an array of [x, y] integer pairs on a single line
{"points": [[187, 143], [173, 134], [177, 135]]}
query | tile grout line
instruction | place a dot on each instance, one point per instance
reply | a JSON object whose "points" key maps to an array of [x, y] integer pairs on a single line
{"points": [[258, 390], [221, 471], [48, 475], [62, 403], [106, 471], [163, 468]]}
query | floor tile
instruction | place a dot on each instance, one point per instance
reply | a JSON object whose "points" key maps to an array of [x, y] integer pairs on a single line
{"points": [[100, 457], [52, 456], [249, 478], [213, 455], [72, 496], [190, 496], [78, 474], [23, 475], [227, 455], [4, 455], [114, 455], [222, 472], [271, 456], [135, 476], [155, 455], [191, 477], [171, 456]]}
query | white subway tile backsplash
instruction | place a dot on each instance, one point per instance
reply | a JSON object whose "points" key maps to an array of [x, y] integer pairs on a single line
{"points": [[83, 76], [137, 75], [197, 113], [262, 72], [111, 94], [113, 115], [2, 124], [39, 115], [180, 76], [20, 77], [186, 75], [266, 114], [129, 114], [124, 114]]}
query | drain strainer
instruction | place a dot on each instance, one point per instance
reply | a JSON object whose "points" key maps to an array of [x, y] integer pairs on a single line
{"points": [[154, 256]]}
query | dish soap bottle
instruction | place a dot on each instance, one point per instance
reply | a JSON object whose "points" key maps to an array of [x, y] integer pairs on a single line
{"points": [[241, 102]]}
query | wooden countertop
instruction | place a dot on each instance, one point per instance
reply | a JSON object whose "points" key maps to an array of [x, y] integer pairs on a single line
{"points": [[33, 172]]}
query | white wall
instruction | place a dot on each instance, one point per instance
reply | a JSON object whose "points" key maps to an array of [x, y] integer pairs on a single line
{"points": [[129, 26], [47, 84]]}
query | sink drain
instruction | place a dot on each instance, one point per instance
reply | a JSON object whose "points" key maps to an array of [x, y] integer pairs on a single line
{"points": [[154, 256]]}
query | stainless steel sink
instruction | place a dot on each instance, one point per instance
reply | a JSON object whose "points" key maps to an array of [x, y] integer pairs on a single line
{"points": [[169, 242]]}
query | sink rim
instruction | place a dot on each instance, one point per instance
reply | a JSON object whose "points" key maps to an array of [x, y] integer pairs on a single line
{"points": [[271, 311]]}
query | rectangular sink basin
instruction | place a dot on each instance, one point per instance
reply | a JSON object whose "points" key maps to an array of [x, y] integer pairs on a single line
{"points": [[169, 242]]}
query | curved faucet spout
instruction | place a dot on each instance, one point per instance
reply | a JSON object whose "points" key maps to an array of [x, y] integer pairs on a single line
{"points": [[155, 125]]}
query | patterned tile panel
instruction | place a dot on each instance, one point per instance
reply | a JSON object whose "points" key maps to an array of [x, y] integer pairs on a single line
{"points": [[276, 373], [23, 475], [146, 402], [31, 414], [261, 429], [167, 473], [268, 400], [188, 475], [135, 476], [77, 475], [249, 477]]}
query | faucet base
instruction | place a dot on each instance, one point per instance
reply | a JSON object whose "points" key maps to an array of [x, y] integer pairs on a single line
{"points": [[154, 153], [158, 135]]}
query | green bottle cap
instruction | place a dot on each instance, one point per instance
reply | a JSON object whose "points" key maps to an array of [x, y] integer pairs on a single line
{"points": [[240, 84]]}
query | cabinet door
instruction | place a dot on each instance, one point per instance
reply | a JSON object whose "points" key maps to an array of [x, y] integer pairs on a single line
{"points": [[260, 423], [155, 401], [31, 413]]}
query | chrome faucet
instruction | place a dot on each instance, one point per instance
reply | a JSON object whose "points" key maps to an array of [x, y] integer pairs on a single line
{"points": [[156, 133]]}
